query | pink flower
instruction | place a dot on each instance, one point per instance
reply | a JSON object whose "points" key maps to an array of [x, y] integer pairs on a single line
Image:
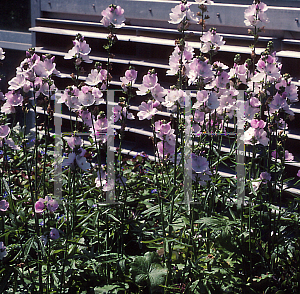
{"points": [[146, 110], [99, 132], [73, 141], [54, 234], [211, 41], [198, 69], [149, 82], [4, 205], [178, 57], [39, 205], [182, 12], [45, 68], [164, 149], [77, 159], [298, 173], [277, 103], [199, 117], [86, 98], [288, 156], [4, 131], [114, 16], [86, 117], [173, 96], [95, 77], [120, 111], [255, 15], [52, 205], [79, 51], [13, 98], [158, 92], [255, 123], [17, 82], [265, 176]]}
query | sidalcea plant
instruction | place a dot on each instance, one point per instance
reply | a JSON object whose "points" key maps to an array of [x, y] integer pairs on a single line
{"points": [[175, 224]]}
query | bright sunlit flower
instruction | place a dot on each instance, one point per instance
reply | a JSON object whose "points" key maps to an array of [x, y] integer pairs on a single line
{"points": [[113, 15]]}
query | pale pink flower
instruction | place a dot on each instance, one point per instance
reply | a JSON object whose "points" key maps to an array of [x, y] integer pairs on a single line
{"points": [[255, 123], [77, 159], [288, 156], [211, 41], [265, 176], [120, 111], [113, 15], [149, 82], [39, 206], [255, 15], [99, 132], [278, 102], [17, 82], [177, 58], [80, 51], [198, 69], [261, 137], [4, 131], [199, 117], [52, 205], [182, 12], [86, 117], [94, 78], [130, 77], [13, 98], [86, 98], [45, 68], [4, 205], [158, 92], [73, 141], [240, 72], [146, 110], [298, 173], [164, 149]]}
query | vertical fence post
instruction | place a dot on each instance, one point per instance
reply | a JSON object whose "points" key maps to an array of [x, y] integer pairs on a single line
{"points": [[187, 180], [57, 149], [110, 159], [240, 155]]}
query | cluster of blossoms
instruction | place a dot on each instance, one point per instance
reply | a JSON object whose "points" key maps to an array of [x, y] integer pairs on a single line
{"points": [[77, 157], [4, 205], [255, 14], [182, 13], [166, 134], [47, 202], [80, 51], [113, 16], [34, 73], [200, 168]]}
